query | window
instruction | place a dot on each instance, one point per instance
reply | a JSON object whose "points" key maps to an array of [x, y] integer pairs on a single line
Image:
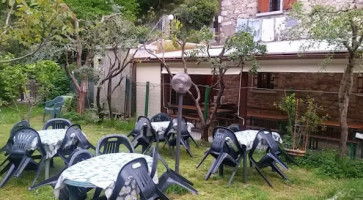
{"points": [[264, 80], [266, 6]]}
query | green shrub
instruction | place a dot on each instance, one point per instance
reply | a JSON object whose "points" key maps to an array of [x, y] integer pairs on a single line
{"points": [[329, 163]]}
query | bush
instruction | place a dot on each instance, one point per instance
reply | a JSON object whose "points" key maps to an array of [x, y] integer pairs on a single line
{"points": [[329, 163]]}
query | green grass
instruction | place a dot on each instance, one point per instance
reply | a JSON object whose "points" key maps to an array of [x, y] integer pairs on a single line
{"points": [[304, 183]]}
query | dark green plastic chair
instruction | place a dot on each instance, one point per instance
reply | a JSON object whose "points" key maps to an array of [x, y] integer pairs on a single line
{"points": [[54, 107]]}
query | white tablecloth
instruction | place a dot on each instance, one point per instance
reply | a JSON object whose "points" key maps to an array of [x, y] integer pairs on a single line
{"points": [[247, 137], [51, 140], [102, 171], [160, 127]]}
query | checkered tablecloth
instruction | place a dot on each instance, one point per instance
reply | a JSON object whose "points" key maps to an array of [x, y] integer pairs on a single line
{"points": [[160, 127], [247, 137], [102, 171]]}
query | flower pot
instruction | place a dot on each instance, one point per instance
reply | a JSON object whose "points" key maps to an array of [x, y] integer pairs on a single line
{"points": [[296, 152]]}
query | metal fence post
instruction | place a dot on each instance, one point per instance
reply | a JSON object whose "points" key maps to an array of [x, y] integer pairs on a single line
{"points": [[147, 98], [206, 103]]}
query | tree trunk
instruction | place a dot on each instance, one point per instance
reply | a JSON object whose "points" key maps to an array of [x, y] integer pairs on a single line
{"points": [[109, 100], [205, 132], [82, 95], [345, 90], [98, 102]]}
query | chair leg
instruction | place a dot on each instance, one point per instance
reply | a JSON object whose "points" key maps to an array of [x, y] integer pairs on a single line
{"points": [[186, 147], [8, 175], [235, 170], [278, 170], [97, 193], [260, 172], [210, 169], [38, 171], [21, 166], [194, 141], [204, 157]]}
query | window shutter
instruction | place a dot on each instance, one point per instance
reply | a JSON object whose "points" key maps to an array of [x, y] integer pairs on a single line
{"points": [[288, 4], [263, 6]]}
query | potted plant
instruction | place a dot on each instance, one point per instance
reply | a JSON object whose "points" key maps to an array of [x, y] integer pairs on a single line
{"points": [[300, 127]]}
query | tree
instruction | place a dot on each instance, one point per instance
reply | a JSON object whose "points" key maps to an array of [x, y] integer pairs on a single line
{"points": [[119, 39], [340, 28], [31, 25], [238, 48]]}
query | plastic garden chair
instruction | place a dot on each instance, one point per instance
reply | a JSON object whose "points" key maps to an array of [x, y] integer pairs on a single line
{"points": [[72, 143], [20, 155], [160, 117], [234, 128], [114, 143], [170, 177], [16, 127], [57, 123], [271, 158], [143, 133], [54, 107], [185, 136], [138, 170], [226, 150], [74, 158]]}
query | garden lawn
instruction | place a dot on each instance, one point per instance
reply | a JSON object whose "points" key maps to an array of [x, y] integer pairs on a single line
{"points": [[303, 184]]}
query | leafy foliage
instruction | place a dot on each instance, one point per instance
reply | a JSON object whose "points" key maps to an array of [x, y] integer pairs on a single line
{"points": [[194, 14], [93, 9], [31, 24], [12, 79], [328, 163], [50, 78]]}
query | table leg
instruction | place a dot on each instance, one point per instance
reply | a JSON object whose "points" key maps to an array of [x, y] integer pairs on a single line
{"points": [[46, 168], [245, 166]]}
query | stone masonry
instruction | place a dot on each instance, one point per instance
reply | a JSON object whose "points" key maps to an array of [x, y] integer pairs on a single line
{"points": [[231, 10]]}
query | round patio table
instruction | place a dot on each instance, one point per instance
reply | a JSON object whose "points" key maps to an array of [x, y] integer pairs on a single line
{"points": [[101, 172]]}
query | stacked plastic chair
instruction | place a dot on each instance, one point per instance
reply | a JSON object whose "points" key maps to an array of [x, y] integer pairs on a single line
{"points": [[170, 136], [16, 127], [20, 154], [271, 158], [143, 134], [226, 150]]}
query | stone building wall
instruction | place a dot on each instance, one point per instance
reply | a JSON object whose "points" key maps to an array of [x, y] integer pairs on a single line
{"points": [[232, 10], [323, 87]]}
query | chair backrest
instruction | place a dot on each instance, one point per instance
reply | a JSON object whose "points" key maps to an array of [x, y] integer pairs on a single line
{"points": [[184, 126], [70, 141], [155, 155], [225, 140], [18, 126], [23, 142], [264, 136], [143, 125], [234, 128], [58, 99], [160, 117], [79, 156], [114, 143], [57, 123], [138, 170]]}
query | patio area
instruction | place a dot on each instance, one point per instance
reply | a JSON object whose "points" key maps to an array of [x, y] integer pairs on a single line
{"points": [[305, 183]]}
